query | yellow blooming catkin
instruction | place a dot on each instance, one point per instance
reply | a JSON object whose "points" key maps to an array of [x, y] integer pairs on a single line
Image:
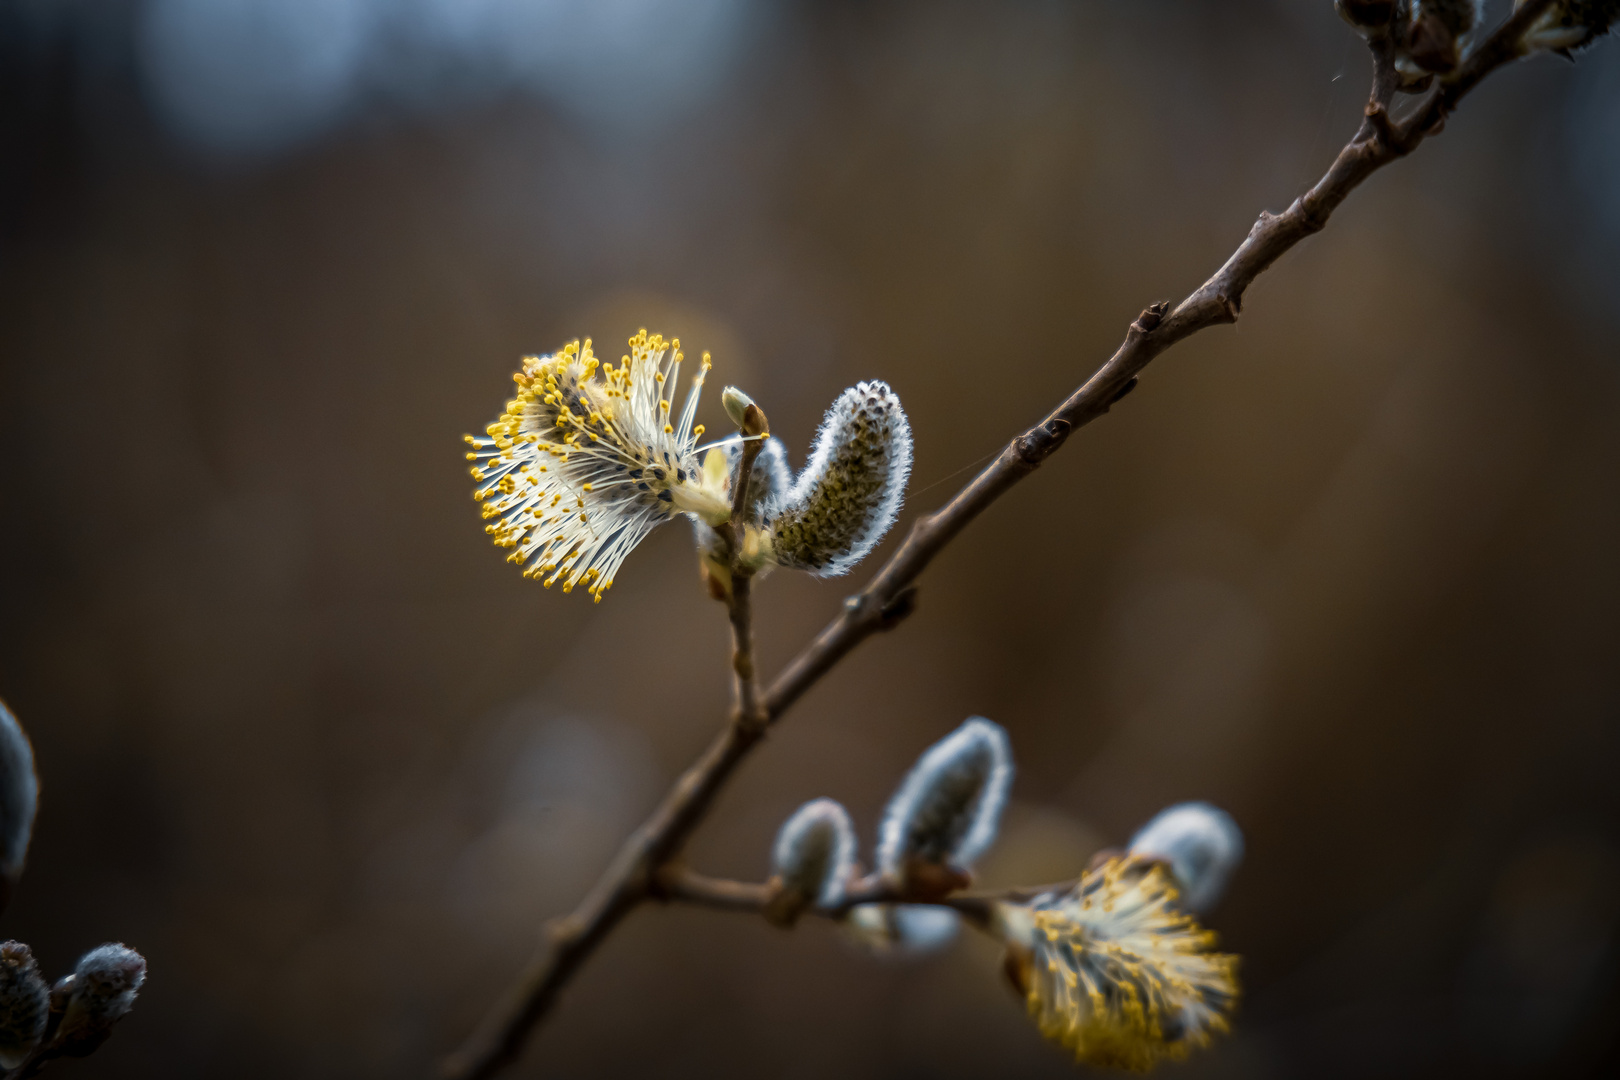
{"points": [[1115, 972], [587, 459]]}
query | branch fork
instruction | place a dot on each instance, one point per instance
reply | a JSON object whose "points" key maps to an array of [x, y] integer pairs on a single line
{"points": [[646, 866]]}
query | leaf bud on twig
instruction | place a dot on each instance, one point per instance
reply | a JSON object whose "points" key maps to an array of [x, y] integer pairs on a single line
{"points": [[850, 490], [96, 996], [812, 861], [1202, 845], [945, 814], [25, 1004]]}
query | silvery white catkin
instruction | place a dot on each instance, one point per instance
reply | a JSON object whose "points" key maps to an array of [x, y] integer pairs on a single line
{"points": [[25, 1004], [948, 807], [1203, 846], [902, 930], [815, 852], [1572, 24], [1459, 16], [19, 796], [850, 490], [96, 996]]}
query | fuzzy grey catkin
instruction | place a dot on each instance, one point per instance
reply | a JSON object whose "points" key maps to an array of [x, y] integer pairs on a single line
{"points": [[769, 481], [98, 994], [19, 797], [814, 853], [1571, 24], [849, 492], [948, 808], [25, 1004], [1203, 846]]}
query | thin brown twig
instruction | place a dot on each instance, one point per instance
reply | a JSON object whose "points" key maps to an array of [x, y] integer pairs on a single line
{"points": [[739, 608], [887, 598], [689, 887]]}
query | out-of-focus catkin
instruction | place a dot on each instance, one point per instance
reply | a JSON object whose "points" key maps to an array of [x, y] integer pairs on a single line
{"points": [[1202, 845], [812, 860], [98, 994], [1115, 972], [19, 796], [25, 1004], [946, 811]]}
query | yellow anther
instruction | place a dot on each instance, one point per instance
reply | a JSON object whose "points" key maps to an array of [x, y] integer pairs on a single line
{"points": [[697, 432]]}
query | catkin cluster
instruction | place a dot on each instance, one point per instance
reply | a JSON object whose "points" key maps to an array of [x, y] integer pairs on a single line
{"points": [[1114, 967], [39, 1022]]}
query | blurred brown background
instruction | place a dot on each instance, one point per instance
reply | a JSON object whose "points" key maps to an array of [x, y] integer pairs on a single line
{"points": [[1348, 570]]}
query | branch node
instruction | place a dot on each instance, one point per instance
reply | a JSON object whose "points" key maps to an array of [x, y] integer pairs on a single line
{"points": [[1150, 319], [1040, 443], [896, 610]]}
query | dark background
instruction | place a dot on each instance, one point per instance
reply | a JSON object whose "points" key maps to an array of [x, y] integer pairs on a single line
{"points": [[1348, 569]]}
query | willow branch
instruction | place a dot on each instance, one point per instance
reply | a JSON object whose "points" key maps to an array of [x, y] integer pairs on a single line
{"points": [[688, 887], [888, 597]]}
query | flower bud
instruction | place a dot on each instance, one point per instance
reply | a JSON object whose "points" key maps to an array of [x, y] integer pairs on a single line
{"points": [[812, 861], [19, 796], [749, 418], [1202, 845], [850, 491], [902, 930], [1571, 24], [945, 814], [25, 1004], [96, 996]]}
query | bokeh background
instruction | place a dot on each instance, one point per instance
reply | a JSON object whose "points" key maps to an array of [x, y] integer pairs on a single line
{"points": [[1348, 569]]}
